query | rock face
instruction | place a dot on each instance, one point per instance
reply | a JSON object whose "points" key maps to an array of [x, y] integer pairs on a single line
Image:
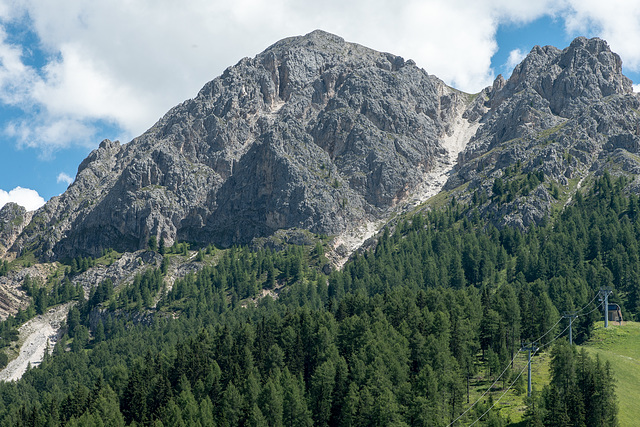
{"points": [[13, 219], [314, 133], [12, 297], [563, 114]]}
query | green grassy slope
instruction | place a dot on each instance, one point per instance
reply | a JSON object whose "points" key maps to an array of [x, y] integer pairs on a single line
{"points": [[620, 345], [511, 405]]}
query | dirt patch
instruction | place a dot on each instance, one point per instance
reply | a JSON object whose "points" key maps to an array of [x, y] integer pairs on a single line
{"points": [[34, 337]]}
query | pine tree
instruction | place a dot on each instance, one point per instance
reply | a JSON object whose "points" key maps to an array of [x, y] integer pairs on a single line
{"points": [[233, 404], [99, 335], [295, 410], [172, 415], [322, 387], [161, 246], [255, 418], [271, 402], [206, 412], [153, 243]]}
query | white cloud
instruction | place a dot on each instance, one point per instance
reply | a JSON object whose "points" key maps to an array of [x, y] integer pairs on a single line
{"points": [[63, 177], [77, 86], [16, 79], [636, 88], [515, 57], [26, 197], [49, 133], [617, 21], [127, 62]]}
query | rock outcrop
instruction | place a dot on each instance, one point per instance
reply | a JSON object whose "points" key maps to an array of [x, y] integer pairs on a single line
{"points": [[13, 219], [12, 296]]}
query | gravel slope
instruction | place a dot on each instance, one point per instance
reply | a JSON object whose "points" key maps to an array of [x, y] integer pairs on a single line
{"points": [[34, 336]]}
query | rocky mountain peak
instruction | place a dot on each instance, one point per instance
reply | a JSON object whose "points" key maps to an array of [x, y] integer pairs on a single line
{"points": [[562, 115], [313, 133], [107, 148], [329, 50], [328, 136], [569, 79]]}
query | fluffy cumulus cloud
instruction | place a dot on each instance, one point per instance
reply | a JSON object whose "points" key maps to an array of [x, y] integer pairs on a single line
{"points": [[126, 63], [64, 178], [617, 21], [26, 197], [515, 57]]}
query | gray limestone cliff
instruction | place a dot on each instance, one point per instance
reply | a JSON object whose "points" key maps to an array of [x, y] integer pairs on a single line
{"points": [[319, 134]]}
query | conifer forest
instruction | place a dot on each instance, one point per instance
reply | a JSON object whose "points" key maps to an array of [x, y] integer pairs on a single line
{"points": [[265, 337]]}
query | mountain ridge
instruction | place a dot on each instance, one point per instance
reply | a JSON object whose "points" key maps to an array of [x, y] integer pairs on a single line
{"points": [[562, 115], [320, 134], [313, 133]]}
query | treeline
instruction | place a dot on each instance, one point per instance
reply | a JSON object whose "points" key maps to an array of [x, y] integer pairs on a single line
{"points": [[513, 183], [269, 365], [392, 339], [54, 292]]}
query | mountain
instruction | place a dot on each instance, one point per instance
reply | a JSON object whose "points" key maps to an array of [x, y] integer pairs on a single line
{"points": [[563, 116], [251, 325], [313, 133], [323, 135], [13, 219]]}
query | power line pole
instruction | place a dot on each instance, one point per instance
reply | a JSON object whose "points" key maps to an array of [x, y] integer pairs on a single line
{"points": [[570, 316], [605, 292], [531, 347]]}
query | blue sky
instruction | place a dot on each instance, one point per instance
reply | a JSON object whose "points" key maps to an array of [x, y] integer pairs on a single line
{"points": [[517, 38], [75, 73]]}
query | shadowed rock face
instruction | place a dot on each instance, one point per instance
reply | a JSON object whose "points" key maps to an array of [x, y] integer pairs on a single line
{"points": [[314, 132]]}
